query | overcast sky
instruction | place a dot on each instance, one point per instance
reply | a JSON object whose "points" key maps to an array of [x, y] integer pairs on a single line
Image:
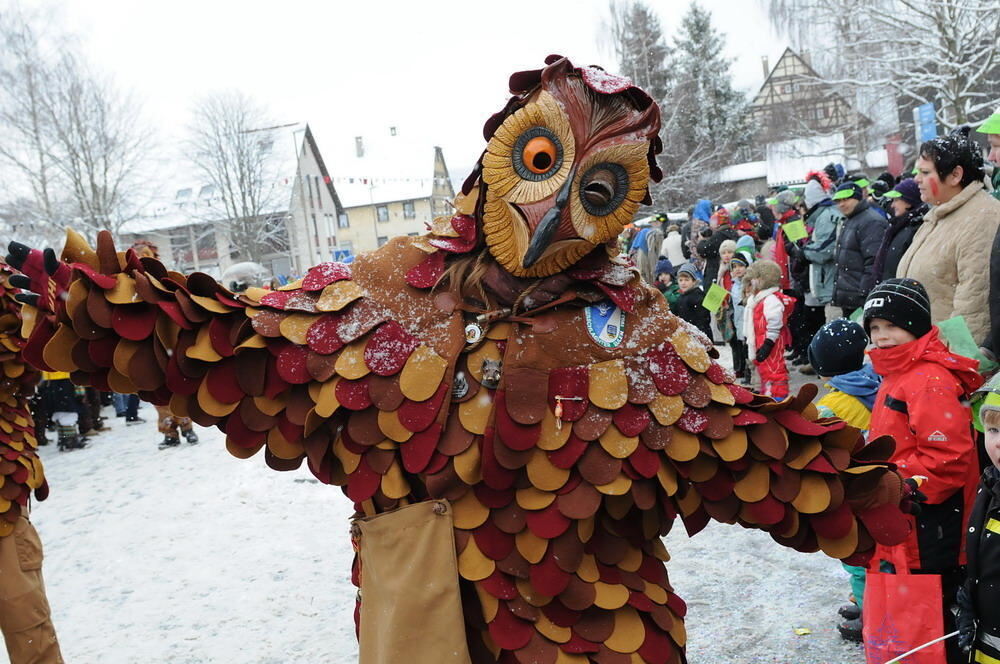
{"points": [[435, 69]]}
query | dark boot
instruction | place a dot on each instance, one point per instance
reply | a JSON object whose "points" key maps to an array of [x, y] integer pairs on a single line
{"points": [[190, 436], [170, 441], [849, 611], [69, 439], [851, 630]]}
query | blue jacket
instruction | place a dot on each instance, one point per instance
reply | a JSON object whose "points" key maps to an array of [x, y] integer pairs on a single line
{"points": [[862, 384], [703, 210]]}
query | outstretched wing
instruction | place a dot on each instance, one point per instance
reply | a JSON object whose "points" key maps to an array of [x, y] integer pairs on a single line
{"points": [[20, 468], [327, 369]]}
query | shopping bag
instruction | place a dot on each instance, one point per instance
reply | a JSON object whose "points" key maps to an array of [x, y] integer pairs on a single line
{"points": [[409, 572], [902, 611]]}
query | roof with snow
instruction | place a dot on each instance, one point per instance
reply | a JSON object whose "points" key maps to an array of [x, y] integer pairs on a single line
{"points": [[381, 168]]}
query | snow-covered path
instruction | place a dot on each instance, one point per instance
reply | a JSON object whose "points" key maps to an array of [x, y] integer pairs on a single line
{"points": [[188, 555]]}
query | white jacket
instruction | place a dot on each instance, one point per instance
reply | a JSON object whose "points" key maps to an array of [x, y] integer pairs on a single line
{"points": [[671, 248], [774, 314]]}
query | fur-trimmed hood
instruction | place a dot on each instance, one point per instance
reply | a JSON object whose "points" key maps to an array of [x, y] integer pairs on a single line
{"points": [[767, 273]]}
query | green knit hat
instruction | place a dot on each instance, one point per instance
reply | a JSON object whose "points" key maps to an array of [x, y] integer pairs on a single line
{"points": [[992, 124], [990, 393]]}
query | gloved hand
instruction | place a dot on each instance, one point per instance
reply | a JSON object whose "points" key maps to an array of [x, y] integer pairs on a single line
{"points": [[44, 277], [965, 620], [794, 251], [912, 498], [764, 350], [706, 233]]}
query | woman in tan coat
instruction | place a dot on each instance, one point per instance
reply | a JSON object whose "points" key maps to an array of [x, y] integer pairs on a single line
{"points": [[950, 253]]}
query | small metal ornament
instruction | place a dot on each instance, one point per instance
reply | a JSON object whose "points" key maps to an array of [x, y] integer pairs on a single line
{"points": [[475, 327], [559, 409], [473, 333], [460, 387], [492, 370]]}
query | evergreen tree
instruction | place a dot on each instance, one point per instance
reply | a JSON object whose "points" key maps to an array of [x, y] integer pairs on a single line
{"points": [[711, 111], [640, 47], [704, 119]]}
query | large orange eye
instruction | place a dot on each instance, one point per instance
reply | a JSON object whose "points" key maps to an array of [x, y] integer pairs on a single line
{"points": [[537, 154]]}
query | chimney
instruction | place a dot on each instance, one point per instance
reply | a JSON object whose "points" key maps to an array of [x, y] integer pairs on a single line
{"points": [[359, 146], [764, 64]]}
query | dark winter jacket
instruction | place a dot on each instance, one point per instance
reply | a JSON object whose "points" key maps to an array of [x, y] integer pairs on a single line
{"points": [[709, 250], [993, 338], [689, 308], [923, 404], [765, 227], [983, 550], [896, 241], [686, 240], [860, 238], [59, 396]]}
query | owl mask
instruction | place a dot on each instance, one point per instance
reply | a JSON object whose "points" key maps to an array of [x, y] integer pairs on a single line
{"points": [[567, 165]]}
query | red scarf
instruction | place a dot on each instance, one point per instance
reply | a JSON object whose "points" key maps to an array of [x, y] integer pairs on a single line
{"points": [[928, 348]]}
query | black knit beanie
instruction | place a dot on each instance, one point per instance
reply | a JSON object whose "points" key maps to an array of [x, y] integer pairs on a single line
{"points": [[903, 302], [838, 348]]}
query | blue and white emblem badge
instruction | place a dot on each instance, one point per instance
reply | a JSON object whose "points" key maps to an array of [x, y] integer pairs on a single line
{"points": [[605, 323]]}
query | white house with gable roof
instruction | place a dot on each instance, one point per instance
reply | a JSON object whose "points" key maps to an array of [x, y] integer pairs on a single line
{"points": [[317, 211]]}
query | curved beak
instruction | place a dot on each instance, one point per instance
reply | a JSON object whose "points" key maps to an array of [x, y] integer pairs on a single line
{"points": [[546, 228]]}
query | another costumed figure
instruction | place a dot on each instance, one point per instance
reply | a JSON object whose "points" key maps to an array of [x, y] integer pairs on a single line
{"points": [[517, 418], [171, 426], [25, 619]]}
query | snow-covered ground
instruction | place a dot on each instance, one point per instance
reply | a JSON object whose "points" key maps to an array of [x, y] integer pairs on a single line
{"points": [[189, 555]]}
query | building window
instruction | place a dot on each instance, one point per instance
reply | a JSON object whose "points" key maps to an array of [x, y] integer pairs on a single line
{"points": [[409, 211], [319, 193], [309, 184], [342, 221], [315, 230], [183, 193], [382, 213], [206, 191], [382, 239]]}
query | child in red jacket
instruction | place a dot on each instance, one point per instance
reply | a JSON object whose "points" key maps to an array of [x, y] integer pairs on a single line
{"points": [[923, 404], [765, 323]]}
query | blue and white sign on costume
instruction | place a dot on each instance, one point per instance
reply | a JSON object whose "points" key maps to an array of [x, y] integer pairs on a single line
{"points": [[606, 323]]}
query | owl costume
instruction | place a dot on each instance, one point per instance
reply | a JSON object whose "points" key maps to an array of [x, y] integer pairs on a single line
{"points": [[517, 418]]}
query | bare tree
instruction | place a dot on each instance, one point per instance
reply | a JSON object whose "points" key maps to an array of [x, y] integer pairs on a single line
{"points": [[96, 144], [24, 148], [230, 143], [918, 51], [70, 137]]}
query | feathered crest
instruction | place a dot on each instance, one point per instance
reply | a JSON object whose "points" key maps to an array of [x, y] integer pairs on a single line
{"points": [[822, 178]]}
